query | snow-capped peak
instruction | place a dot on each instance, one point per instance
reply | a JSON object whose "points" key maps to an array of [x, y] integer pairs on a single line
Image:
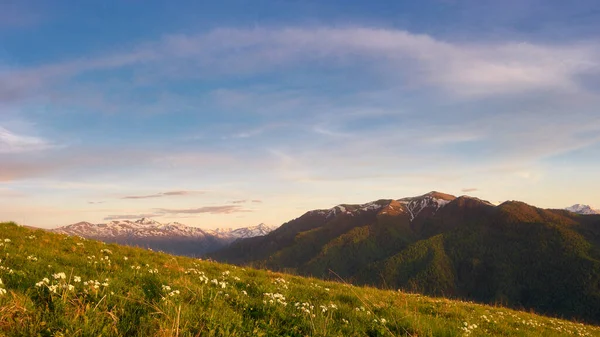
{"points": [[252, 231], [432, 200], [148, 228], [582, 209], [245, 232], [351, 210]]}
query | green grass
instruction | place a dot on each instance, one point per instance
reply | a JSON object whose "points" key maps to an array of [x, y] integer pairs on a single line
{"points": [[111, 290]]}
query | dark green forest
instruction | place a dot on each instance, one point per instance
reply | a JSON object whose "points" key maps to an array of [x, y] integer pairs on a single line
{"points": [[513, 254]]}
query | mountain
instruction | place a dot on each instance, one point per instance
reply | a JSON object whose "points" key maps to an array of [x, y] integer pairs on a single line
{"points": [[582, 209], [57, 285], [173, 237], [243, 233], [461, 247]]}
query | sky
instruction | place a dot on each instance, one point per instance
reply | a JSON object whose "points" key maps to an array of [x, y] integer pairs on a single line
{"points": [[235, 113]]}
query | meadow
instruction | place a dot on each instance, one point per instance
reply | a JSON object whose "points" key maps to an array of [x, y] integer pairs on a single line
{"points": [[58, 285]]}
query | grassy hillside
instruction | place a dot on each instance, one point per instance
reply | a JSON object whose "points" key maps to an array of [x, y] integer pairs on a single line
{"points": [[56, 285], [514, 254]]}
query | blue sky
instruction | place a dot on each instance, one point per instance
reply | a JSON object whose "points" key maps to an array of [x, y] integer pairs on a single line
{"points": [[233, 113]]}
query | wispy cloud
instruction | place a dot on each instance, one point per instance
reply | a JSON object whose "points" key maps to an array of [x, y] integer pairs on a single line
{"points": [[132, 216], [466, 190], [11, 142], [181, 213], [225, 209], [465, 69], [182, 193], [249, 133], [244, 201], [95, 160], [31, 164], [396, 58], [323, 130], [95, 202], [163, 194]]}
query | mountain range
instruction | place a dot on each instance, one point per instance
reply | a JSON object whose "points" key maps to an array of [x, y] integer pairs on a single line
{"points": [[173, 237], [463, 247], [515, 254]]}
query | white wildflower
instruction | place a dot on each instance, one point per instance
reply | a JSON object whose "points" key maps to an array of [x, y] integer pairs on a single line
{"points": [[59, 276]]}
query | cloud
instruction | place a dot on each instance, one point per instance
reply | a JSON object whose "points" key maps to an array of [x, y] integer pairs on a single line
{"points": [[143, 196], [329, 132], [11, 142], [182, 193], [180, 213], [225, 209], [36, 164], [524, 85], [466, 190], [95, 202], [131, 216], [256, 131], [244, 201], [464, 69], [64, 164], [18, 84], [164, 194]]}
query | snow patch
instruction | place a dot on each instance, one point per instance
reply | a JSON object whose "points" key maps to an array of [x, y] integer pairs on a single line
{"points": [[353, 210], [582, 209], [148, 228], [414, 206]]}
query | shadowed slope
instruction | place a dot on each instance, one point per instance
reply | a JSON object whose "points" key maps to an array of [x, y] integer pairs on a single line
{"points": [[514, 253]]}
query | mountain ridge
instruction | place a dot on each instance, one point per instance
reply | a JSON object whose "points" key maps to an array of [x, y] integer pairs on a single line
{"points": [[440, 244], [172, 237]]}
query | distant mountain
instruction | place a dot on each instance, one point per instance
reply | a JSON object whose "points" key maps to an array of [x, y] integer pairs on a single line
{"points": [[464, 247], [172, 237], [243, 233], [582, 209]]}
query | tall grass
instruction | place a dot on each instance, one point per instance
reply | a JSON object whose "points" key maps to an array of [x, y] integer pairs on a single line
{"points": [[56, 285]]}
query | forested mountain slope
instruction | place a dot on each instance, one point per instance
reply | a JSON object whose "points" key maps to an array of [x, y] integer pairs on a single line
{"points": [[513, 253]]}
